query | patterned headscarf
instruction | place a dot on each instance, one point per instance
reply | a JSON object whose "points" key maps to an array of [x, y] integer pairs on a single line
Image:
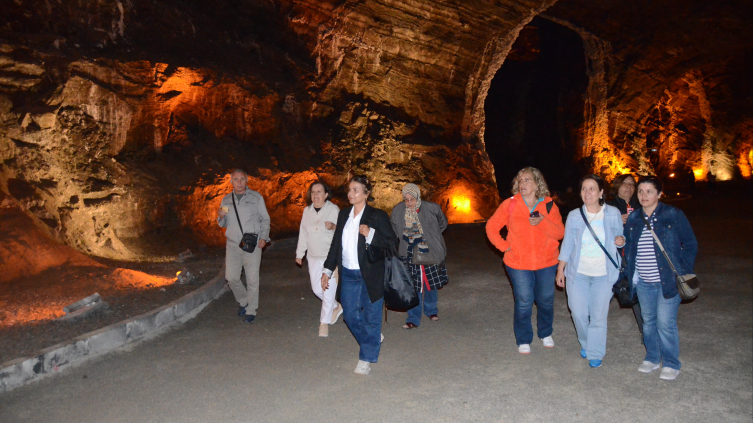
{"points": [[413, 230]]}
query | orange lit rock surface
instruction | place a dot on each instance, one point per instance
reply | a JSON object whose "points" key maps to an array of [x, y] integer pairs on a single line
{"points": [[39, 276], [120, 120], [27, 250]]}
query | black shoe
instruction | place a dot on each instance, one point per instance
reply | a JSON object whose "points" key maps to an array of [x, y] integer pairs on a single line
{"points": [[241, 311], [250, 318]]}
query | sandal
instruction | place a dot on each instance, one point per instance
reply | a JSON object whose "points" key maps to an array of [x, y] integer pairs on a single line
{"points": [[410, 325], [434, 317]]}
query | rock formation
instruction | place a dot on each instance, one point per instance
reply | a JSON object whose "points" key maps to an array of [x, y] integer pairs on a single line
{"points": [[122, 118]]}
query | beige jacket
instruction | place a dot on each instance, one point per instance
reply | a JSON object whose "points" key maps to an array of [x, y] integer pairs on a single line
{"points": [[253, 215], [313, 236]]}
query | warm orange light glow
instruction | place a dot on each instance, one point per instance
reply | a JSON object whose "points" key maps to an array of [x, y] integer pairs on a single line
{"points": [[615, 165], [127, 278], [671, 175], [461, 203], [109, 283], [698, 173], [744, 163]]}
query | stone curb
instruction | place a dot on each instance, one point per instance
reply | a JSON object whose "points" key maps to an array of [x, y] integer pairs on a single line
{"points": [[53, 360]]}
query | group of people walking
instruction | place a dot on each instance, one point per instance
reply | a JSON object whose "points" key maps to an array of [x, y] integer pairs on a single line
{"points": [[596, 239], [347, 235], [585, 256]]}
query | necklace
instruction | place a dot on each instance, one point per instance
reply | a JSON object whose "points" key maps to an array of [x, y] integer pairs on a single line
{"points": [[596, 214]]}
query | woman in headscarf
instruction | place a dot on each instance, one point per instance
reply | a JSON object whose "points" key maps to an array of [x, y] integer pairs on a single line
{"points": [[419, 225]]}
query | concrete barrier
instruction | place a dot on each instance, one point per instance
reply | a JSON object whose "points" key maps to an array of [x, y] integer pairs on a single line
{"points": [[52, 360]]}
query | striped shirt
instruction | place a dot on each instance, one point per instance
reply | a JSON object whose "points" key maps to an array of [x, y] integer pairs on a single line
{"points": [[645, 260]]}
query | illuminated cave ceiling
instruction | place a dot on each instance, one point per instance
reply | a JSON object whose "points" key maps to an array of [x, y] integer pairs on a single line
{"points": [[120, 118]]}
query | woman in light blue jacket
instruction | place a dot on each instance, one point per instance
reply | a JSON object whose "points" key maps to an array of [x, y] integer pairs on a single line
{"points": [[589, 272]]}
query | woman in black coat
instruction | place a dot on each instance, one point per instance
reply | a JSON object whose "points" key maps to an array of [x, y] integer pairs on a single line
{"points": [[623, 195], [624, 198], [361, 288]]}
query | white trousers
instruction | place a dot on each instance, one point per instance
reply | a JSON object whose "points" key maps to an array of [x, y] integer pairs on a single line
{"points": [[328, 296]]}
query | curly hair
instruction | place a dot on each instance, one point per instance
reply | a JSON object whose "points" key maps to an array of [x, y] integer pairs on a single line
{"points": [[617, 184], [542, 190]]}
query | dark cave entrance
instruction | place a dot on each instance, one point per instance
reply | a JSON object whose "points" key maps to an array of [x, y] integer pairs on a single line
{"points": [[534, 107]]}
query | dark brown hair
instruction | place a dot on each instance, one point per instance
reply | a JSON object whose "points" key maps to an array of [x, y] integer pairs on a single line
{"points": [[363, 180], [651, 179], [327, 191], [599, 183], [617, 183]]}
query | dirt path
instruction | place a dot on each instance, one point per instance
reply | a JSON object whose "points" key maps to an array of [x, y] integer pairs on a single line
{"points": [[463, 368]]}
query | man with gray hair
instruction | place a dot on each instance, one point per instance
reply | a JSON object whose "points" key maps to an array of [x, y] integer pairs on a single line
{"points": [[243, 212]]}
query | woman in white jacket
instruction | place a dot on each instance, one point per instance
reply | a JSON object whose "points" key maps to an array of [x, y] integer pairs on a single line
{"points": [[317, 229]]}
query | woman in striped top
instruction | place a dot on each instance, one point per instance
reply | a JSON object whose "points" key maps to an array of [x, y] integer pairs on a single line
{"points": [[653, 278]]}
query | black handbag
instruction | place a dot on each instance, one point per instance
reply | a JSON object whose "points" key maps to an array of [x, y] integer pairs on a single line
{"points": [[399, 293], [248, 241], [688, 285], [622, 288]]}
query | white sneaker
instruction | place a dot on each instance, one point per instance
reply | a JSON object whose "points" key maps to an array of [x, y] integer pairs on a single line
{"points": [[668, 374], [323, 330], [648, 367], [381, 340], [524, 348], [336, 312], [548, 342], [362, 368]]}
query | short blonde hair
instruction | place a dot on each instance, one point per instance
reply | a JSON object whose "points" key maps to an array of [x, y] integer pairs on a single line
{"points": [[542, 190]]}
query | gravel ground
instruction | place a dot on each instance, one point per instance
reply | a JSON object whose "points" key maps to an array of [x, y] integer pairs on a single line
{"points": [[65, 285], [462, 368]]}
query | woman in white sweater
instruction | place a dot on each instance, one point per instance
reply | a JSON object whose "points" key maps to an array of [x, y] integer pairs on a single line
{"points": [[317, 229]]}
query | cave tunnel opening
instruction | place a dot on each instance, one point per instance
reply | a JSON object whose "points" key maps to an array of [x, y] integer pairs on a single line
{"points": [[535, 106]]}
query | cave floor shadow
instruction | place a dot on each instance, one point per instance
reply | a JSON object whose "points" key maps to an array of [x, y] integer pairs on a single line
{"points": [[464, 367]]}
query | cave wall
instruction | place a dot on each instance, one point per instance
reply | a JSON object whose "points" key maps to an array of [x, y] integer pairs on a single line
{"points": [[670, 75], [122, 118]]}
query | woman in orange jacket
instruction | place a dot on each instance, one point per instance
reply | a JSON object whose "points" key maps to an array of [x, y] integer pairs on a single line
{"points": [[534, 228]]}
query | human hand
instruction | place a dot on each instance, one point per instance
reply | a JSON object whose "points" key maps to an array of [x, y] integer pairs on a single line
{"points": [[624, 218], [329, 226], [619, 241], [222, 212], [535, 220], [325, 281], [262, 243], [299, 262], [364, 230], [560, 278]]}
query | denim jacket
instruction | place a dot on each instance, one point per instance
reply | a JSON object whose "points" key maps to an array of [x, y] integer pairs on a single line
{"points": [[674, 231], [574, 229]]}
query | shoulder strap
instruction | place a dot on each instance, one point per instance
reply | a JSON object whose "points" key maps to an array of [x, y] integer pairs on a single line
{"points": [[588, 225], [656, 238], [549, 206], [235, 209]]}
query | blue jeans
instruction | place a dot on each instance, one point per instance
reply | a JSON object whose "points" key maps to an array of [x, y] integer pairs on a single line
{"points": [[428, 303], [588, 298], [660, 335], [529, 286], [364, 318]]}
